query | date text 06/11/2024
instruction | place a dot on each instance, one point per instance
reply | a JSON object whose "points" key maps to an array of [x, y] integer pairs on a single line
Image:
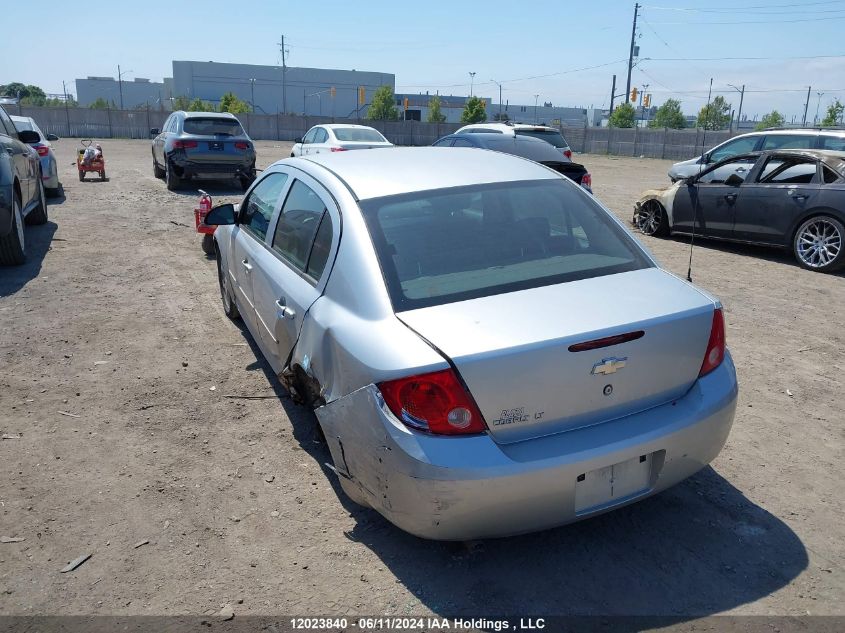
{"points": [[386, 623]]}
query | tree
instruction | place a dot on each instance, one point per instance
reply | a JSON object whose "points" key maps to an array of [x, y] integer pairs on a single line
{"points": [[623, 116], [669, 115], [229, 102], [474, 111], [434, 113], [834, 114], [181, 103], [99, 104], [772, 119], [14, 89], [383, 105], [198, 105], [715, 116]]}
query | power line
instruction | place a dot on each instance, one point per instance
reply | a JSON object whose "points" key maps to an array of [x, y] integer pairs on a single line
{"points": [[732, 9], [722, 59], [785, 22]]}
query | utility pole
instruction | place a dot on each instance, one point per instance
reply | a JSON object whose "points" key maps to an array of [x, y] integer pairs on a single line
{"points": [[818, 103], [631, 55], [471, 81], [741, 97], [536, 97], [284, 77], [252, 92], [120, 86], [67, 112], [612, 95], [500, 97], [806, 105]]}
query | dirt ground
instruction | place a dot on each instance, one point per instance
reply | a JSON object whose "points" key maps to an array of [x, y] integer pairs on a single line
{"points": [[115, 363]]}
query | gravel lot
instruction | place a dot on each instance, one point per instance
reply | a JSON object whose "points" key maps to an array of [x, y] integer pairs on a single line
{"points": [[115, 363]]}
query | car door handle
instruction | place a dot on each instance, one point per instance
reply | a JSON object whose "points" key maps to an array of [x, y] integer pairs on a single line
{"points": [[740, 169], [284, 311], [798, 196], [247, 265], [730, 197]]}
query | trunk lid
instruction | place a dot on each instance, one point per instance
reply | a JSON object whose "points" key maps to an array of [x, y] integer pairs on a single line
{"points": [[512, 350]]}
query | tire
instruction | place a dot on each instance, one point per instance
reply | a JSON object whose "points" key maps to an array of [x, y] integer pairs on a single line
{"points": [[81, 176], [651, 219], [246, 183], [208, 244], [13, 246], [229, 306], [103, 175], [158, 172], [818, 244], [173, 181], [39, 214]]}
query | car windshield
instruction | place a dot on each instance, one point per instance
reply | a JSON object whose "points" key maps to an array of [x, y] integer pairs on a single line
{"points": [[212, 126], [441, 246], [358, 134], [550, 136]]}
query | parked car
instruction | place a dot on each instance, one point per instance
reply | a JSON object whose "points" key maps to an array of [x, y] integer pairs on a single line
{"points": [[777, 138], [788, 198], [531, 148], [22, 198], [202, 146], [488, 350], [49, 166], [338, 138], [549, 134]]}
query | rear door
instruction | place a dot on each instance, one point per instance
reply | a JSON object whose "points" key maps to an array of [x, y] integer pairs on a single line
{"points": [[249, 239], [318, 146], [289, 276], [308, 140], [21, 156], [780, 191], [710, 203]]}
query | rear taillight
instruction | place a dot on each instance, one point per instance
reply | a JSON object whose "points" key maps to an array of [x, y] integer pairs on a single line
{"points": [[184, 144], [567, 153], [338, 149], [587, 180], [241, 145], [715, 353], [435, 402], [42, 150]]}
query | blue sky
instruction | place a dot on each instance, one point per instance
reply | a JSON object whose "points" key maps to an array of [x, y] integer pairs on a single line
{"points": [[565, 51]]}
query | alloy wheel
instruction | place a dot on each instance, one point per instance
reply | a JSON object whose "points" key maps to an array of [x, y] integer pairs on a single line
{"points": [[649, 218], [819, 243]]}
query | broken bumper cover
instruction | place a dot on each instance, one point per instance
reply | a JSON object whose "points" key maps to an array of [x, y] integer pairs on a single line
{"points": [[459, 488]]}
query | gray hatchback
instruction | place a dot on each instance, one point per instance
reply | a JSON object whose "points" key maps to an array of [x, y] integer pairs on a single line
{"points": [[202, 145]]}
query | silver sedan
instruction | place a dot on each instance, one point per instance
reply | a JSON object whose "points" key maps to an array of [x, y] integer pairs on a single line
{"points": [[488, 350]]}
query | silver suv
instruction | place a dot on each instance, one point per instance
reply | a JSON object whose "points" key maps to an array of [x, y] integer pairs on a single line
{"points": [[800, 138], [549, 134]]}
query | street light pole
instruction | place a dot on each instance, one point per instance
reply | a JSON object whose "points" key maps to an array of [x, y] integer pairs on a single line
{"points": [[471, 81], [536, 97], [120, 83], [500, 97], [252, 92], [818, 103], [741, 92]]}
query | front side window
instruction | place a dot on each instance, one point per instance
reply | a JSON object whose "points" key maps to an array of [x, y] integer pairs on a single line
{"points": [[732, 148], [298, 223], [440, 246], [788, 141], [257, 209], [739, 167]]}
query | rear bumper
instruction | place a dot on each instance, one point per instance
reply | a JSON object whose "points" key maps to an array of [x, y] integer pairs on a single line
{"points": [[210, 169], [466, 488]]}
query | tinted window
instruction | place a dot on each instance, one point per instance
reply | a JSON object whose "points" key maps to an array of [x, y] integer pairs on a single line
{"points": [[321, 136], [828, 175], [298, 223], [358, 134], [443, 142], [550, 136], [212, 126], [440, 246], [836, 143], [462, 142], [786, 171], [322, 246], [732, 148], [309, 138], [6, 125], [258, 208], [740, 167], [788, 141]]}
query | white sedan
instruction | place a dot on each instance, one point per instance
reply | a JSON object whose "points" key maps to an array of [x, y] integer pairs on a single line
{"points": [[338, 138]]}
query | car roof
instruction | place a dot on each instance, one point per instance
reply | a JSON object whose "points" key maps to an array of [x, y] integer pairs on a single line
{"points": [[527, 146], [205, 115], [398, 170], [334, 126], [793, 131]]}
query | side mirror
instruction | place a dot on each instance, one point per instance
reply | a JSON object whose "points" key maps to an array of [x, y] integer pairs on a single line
{"points": [[298, 139], [29, 137], [155, 131], [52, 137], [690, 180], [221, 215], [734, 181]]}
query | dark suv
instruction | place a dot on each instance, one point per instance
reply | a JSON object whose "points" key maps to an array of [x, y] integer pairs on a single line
{"points": [[22, 197], [202, 145]]}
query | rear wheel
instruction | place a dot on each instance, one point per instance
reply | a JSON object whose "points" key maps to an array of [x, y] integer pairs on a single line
{"points": [[651, 219], [158, 172], [173, 181], [13, 246], [229, 306], [817, 244], [39, 214], [208, 244]]}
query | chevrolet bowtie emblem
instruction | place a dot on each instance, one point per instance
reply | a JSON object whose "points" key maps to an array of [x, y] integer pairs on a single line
{"points": [[609, 366]]}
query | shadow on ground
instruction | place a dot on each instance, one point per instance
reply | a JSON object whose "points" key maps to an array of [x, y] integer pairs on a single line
{"points": [[699, 548], [38, 240]]}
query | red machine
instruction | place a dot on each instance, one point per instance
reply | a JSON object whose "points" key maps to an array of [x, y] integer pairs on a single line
{"points": [[90, 158], [202, 209]]}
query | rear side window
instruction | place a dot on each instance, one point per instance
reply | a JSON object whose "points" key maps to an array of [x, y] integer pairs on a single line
{"points": [[782, 171], [298, 223], [462, 142], [212, 126], [444, 142], [789, 141], [828, 175], [257, 209], [358, 134], [321, 136], [835, 143], [441, 246], [23, 125], [550, 136]]}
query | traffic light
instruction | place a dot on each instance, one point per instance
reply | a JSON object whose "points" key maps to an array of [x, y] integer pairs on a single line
{"points": [[362, 95], [634, 93], [647, 101], [333, 92]]}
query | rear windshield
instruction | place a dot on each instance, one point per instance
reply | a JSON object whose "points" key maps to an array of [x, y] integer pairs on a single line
{"points": [[441, 246], [212, 126], [550, 136], [357, 134]]}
